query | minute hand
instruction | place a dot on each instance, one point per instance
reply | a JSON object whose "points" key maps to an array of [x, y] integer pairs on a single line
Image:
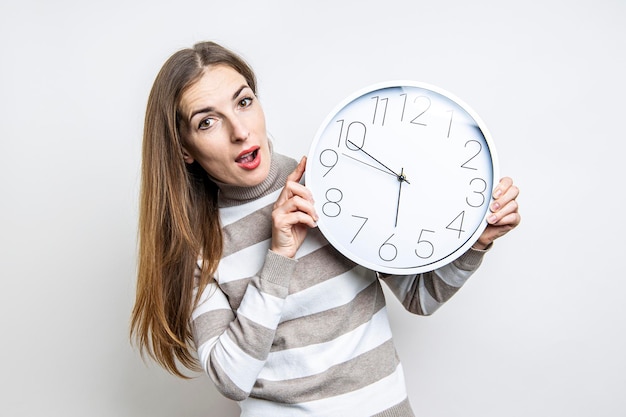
{"points": [[399, 176]]}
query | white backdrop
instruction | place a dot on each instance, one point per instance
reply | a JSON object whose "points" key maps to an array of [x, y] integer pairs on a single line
{"points": [[539, 330]]}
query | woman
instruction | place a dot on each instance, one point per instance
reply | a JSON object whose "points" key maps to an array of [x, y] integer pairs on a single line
{"points": [[235, 279]]}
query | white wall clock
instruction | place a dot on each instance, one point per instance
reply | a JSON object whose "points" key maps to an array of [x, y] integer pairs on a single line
{"points": [[402, 175]]}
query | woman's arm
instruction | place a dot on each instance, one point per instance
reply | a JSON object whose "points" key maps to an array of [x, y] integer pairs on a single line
{"points": [[424, 293], [233, 346]]}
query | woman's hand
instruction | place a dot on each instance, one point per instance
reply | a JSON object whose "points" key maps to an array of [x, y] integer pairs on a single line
{"points": [[504, 215], [293, 214]]}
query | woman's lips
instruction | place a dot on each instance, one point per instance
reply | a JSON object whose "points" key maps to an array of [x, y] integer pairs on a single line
{"points": [[249, 159]]}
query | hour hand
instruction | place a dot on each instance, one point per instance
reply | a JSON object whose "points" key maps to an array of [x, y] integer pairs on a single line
{"points": [[400, 180]]}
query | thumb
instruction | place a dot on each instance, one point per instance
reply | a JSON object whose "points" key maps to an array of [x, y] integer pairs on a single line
{"points": [[297, 173]]}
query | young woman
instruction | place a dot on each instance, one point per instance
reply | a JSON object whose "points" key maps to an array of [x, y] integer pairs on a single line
{"points": [[235, 280]]}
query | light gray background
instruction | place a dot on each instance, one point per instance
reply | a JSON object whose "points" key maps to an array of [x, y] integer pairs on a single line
{"points": [[539, 330]]}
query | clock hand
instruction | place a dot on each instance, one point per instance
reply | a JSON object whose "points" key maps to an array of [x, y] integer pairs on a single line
{"points": [[400, 177], [369, 165]]}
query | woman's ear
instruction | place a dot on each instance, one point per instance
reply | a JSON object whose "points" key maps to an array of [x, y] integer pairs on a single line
{"points": [[187, 156]]}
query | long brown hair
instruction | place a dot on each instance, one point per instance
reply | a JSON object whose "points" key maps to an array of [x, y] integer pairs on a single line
{"points": [[178, 217]]}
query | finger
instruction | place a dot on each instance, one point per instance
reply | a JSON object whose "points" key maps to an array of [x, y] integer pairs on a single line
{"points": [[293, 188], [510, 220], [289, 223], [297, 173], [504, 184], [300, 190], [505, 197], [503, 215], [295, 204], [299, 217]]}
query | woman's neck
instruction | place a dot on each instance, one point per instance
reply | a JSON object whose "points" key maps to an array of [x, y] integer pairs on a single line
{"points": [[233, 195]]}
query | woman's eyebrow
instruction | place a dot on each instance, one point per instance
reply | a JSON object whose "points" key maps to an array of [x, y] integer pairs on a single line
{"points": [[243, 87], [210, 109], [204, 110]]}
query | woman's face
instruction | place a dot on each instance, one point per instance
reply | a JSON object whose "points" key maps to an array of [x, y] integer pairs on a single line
{"points": [[224, 128]]}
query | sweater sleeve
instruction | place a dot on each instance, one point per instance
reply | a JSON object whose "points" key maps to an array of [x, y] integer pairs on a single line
{"points": [[424, 293], [234, 345]]}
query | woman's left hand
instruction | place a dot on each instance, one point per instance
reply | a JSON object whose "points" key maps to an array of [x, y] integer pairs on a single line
{"points": [[504, 215]]}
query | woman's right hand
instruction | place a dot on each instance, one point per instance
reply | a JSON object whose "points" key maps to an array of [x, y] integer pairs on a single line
{"points": [[293, 214]]}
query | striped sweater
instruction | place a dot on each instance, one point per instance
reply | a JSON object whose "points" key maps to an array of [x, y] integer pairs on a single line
{"points": [[307, 336]]}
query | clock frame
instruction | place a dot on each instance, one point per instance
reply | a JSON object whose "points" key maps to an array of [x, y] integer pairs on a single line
{"points": [[402, 174]]}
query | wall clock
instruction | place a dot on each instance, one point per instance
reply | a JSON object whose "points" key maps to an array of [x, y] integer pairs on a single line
{"points": [[402, 174]]}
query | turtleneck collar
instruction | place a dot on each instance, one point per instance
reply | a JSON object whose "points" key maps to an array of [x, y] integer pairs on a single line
{"points": [[233, 195]]}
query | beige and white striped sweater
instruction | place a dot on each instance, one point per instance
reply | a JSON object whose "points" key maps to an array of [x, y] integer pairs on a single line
{"points": [[307, 336]]}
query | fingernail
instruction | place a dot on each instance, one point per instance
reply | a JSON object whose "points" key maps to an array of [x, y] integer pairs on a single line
{"points": [[495, 206], [492, 218], [497, 193]]}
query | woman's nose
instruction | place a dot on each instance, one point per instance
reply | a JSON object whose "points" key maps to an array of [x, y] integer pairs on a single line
{"points": [[240, 131]]}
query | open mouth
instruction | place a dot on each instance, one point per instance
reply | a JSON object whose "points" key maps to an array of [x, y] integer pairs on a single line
{"points": [[249, 159]]}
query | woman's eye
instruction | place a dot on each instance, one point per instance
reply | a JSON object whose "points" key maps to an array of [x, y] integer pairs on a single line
{"points": [[207, 123], [245, 102]]}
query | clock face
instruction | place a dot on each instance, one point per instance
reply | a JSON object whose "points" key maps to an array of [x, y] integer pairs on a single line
{"points": [[402, 175]]}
